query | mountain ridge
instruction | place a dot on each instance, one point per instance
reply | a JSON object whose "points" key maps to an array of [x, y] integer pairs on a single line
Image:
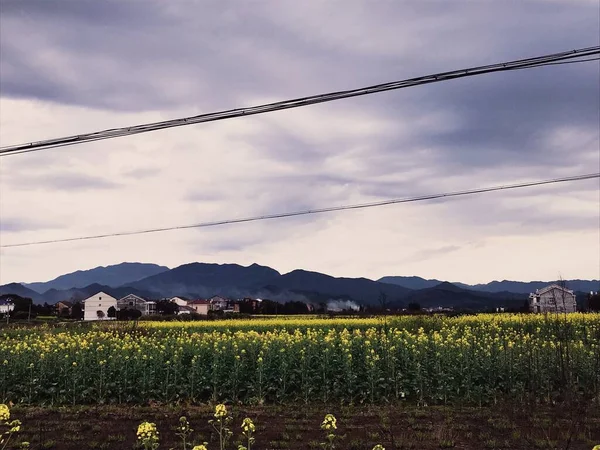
{"points": [[517, 287], [112, 275], [203, 280]]}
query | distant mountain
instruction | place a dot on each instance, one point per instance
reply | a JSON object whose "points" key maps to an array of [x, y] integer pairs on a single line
{"points": [[21, 291], [235, 281], [78, 294], [206, 280], [528, 287], [517, 287], [363, 290], [449, 295], [410, 282], [113, 276], [74, 294]]}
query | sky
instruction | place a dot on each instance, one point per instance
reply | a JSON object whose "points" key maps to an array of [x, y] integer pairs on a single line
{"points": [[76, 66]]}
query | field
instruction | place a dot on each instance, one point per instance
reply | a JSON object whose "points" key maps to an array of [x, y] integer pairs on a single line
{"points": [[485, 381]]}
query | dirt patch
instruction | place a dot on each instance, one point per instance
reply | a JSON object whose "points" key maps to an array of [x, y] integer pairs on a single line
{"points": [[297, 426]]}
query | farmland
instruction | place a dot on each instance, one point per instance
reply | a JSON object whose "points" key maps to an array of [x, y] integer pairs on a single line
{"points": [[396, 364]]}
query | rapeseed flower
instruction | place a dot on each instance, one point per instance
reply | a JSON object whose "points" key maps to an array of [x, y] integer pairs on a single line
{"points": [[220, 411], [4, 413], [329, 423], [248, 425], [147, 435]]}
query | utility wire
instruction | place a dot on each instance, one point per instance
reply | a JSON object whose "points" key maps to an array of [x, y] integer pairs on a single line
{"points": [[315, 211], [573, 56]]}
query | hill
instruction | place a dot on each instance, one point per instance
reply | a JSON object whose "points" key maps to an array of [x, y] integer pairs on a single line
{"points": [[516, 287], [362, 290], [531, 286], [410, 282], [233, 280], [206, 280], [114, 276], [21, 291], [449, 295]]}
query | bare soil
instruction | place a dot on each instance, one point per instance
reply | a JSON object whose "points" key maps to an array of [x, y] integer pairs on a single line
{"points": [[513, 427]]}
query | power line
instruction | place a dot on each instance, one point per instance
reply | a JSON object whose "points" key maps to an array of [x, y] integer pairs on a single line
{"points": [[316, 211], [573, 56], [568, 62]]}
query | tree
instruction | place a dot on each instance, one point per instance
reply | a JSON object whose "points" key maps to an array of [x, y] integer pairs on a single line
{"points": [[21, 303], [100, 314], [77, 311], [167, 307], [112, 312], [594, 301], [128, 314], [414, 306]]}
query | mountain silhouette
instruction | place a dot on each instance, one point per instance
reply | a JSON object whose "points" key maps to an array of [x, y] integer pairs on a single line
{"points": [[114, 276]]}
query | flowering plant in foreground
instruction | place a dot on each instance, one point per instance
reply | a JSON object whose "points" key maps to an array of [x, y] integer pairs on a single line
{"points": [[12, 427], [221, 425], [248, 429], [184, 431], [147, 435], [329, 425]]}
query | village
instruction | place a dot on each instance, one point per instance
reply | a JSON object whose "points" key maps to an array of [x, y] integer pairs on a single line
{"points": [[102, 306]]}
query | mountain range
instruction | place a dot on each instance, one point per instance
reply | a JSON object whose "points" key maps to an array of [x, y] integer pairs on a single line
{"points": [[518, 287], [203, 280]]}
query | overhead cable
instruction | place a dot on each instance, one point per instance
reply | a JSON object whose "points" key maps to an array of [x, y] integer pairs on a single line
{"points": [[314, 211], [573, 56]]}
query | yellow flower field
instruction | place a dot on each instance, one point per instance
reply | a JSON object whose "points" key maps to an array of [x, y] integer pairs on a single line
{"points": [[470, 359]]}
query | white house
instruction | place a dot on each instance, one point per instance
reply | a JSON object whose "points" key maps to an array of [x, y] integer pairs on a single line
{"points": [[96, 307], [132, 301], [553, 298], [179, 301], [6, 306]]}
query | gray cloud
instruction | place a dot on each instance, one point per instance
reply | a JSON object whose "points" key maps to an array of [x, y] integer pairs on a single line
{"points": [[142, 172], [21, 224], [426, 254], [60, 181], [172, 59]]}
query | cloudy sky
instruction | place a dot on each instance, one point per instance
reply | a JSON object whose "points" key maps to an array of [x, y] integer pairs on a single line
{"points": [[73, 66]]}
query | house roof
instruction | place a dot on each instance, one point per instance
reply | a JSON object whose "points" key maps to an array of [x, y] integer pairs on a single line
{"points": [[132, 296], [104, 294], [551, 287], [199, 302], [186, 308], [66, 303]]}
